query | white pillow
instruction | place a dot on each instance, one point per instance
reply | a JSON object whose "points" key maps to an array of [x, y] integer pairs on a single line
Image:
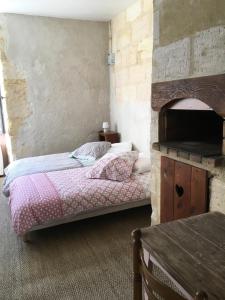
{"points": [[120, 147], [142, 164]]}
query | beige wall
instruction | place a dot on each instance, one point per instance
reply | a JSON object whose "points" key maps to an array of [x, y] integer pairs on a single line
{"points": [[130, 77], [56, 81], [189, 41]]}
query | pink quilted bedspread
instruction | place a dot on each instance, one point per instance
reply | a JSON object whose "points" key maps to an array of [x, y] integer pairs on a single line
{"points": [[40, 198]]}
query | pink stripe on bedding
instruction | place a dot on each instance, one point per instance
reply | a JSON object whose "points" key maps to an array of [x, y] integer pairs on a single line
{"points": [[34, 201]]}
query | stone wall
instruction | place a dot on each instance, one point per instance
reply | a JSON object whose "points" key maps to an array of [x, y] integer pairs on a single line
{"points": [[189, 41], [56, 82], [130, 77]]}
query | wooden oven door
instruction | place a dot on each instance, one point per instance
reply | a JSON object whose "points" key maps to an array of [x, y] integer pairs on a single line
{"points": [[184, 190]]}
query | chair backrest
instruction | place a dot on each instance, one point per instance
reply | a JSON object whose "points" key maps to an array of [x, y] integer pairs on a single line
{"points": [[153, 287], [143, 274]]}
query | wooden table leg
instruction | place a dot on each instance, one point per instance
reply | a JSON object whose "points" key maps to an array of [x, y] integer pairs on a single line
{"points": [[137, 280]]}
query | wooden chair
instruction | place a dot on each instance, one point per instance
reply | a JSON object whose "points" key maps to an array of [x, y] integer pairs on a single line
{"points": [[142, 273]]}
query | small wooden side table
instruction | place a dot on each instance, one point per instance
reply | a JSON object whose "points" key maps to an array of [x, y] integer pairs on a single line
{"points": [[109, 136]]}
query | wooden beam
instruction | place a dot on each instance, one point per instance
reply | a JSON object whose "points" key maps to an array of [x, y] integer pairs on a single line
{"points": [[208, 89]]}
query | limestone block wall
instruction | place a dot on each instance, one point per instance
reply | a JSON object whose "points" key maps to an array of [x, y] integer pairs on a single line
{"points": [[130, 77], [189, 41], [56, 82]]}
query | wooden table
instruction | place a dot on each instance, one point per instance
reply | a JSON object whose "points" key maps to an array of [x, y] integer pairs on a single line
{"points": [[191, 251]]}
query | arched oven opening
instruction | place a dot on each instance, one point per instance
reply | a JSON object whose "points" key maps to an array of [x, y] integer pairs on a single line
{"points": [[191, 122], [192, 126]]}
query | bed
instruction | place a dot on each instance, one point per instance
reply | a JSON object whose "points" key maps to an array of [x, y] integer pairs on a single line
{"points": [[43, 199], [38, 164], [60, 161], [47, 199]]}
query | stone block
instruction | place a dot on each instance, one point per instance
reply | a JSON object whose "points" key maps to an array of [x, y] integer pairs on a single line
{"points": [[183, 18], [118, 94], [126, 94], [137, 74], [209, 51], [217, 192], [118, 59], [133, 11], [143, 92], [172, 61], [129, 93], [147, 5], [141, 28], [156, 30], [125, 57], [122, 77], [132, 56], [123, 39], [155, 186], [154, 126], [145, 56], [148, 73], [118, 23], [145, 44], [145, 50]]}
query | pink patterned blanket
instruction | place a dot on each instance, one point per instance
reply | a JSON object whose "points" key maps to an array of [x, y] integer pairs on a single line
{"points": [[40, 198]]}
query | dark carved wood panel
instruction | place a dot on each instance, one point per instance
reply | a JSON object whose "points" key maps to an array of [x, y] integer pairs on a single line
{"points": [[167, 189], [182, 190], [208, 89], [199, 191]]}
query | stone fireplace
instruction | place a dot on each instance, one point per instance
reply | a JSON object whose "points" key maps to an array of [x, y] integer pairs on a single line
{"points": [[190, 128]]}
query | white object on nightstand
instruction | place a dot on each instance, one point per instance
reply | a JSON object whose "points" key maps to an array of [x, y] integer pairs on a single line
{"points": [[105, 126]]}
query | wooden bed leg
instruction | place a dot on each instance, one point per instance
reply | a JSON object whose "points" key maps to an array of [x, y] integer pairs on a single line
{"points": [[26, 238], [137, 280]]}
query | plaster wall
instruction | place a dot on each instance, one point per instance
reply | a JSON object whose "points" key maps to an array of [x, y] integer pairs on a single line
{"points": [[56, 82], [130, 77], [189, 41]]}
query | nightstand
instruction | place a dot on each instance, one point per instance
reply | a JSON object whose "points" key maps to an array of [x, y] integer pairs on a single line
{"points": [[109, 136]]}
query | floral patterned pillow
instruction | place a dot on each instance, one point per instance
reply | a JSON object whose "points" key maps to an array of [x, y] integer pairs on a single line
{"points": [[91, 151], [114, 166]]}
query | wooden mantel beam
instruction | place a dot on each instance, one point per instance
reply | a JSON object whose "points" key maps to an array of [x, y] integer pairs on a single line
{"points": [[208, 89]]}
